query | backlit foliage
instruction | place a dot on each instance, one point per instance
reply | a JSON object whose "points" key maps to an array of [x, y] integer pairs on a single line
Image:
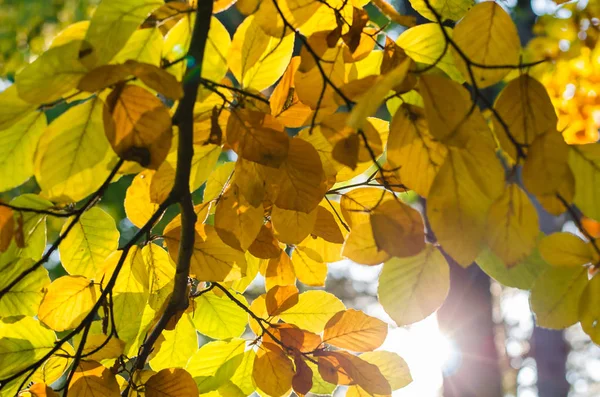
{"points": [[345, 143]]}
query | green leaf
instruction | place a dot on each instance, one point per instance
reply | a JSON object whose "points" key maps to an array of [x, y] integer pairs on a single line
{"points": [[88, 244], [22, 343], [218, 316], [17, 149], [215, 363], [555, 296]]}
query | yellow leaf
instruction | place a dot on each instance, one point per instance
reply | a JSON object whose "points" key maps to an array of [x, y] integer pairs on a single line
{"points": [[284, 101], [18, 144], [585, 163], [309, 265], [343, 368], [51, 370], [67, 301], [256, 59], [215, 363], [357, 204], [179, 345], [90, 379], [556, 294], [242, 377], [452, 117], [144, 45], [412, 150], [217, 181], [171, 382], [487, 36], [22, 343], [291, 227], [313, 310], [392, 367], [447, 9], [31, 227], [525, 107], [130, 297], [280, 298], [354, 330], [279, 271], [512, 226], [589, 310], [566, 249], [12, 107], [259, 308], [368, 104], [309, 80], [73, 157], [24, 298], [212, 259], [257, 137], [97, 348], [140, 129], [360, 246], [398, 229], [410, 289], [88, 244], [138, 205], [214, 63], [426, 44], [546, 165], [273, 370], [219, 317], [469, 181], [237, 222], [302, 183], [52, 75], [111, 26]]}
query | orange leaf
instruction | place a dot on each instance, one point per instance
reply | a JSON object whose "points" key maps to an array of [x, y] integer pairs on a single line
{"points": [[398, 229], [354, 330], [257, 137], [171, 382], [280, 298], [302, 380], [39, 390], [280, 271], [273, 370], [343, 368], [138, 126], [294, 337], [7, 226], [92, 379], [265, 246]]}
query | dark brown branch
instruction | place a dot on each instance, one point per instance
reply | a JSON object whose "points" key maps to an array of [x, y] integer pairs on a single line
{"points": [[184, 118]]}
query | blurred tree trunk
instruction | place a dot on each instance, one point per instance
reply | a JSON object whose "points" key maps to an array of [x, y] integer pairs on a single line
{"points": [[466, 318], [550, 351]]}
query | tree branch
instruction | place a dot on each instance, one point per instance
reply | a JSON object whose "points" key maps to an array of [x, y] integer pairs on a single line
{"points": [[184, 118]]}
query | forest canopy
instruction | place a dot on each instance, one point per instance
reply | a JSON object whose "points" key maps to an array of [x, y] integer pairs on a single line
{"points": [[257, 153]]}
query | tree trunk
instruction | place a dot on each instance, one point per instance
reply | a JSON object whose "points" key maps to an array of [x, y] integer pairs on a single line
{"points": [[466, 318], [550, 351]]}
